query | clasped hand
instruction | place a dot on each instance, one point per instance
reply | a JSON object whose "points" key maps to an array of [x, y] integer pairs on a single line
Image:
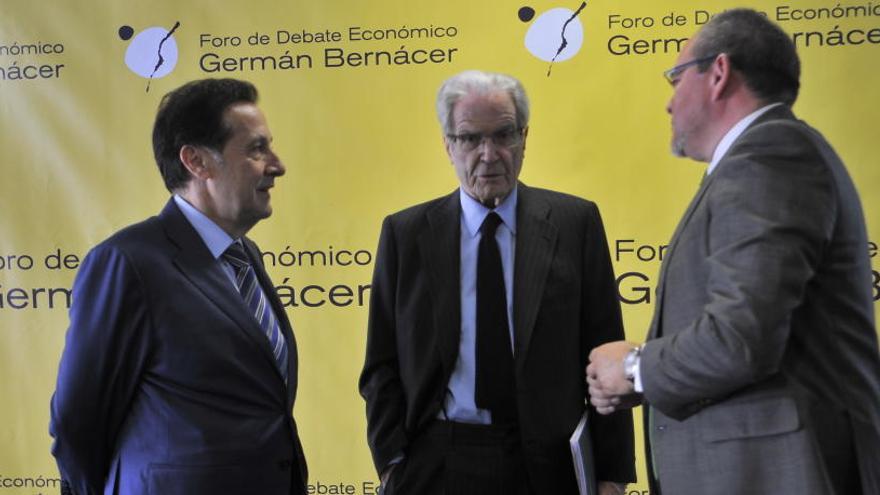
{"points": [[608, 386]]}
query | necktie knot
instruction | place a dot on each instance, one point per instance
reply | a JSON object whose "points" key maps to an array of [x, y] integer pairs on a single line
{"points": [[236, 256], [490, 224]]}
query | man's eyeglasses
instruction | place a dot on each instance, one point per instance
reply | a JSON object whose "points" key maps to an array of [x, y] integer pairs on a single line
{"points": [[503, 138], [674, 73]]}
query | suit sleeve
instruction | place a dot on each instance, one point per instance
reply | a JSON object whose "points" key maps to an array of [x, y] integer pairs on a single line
{"points": [[612, 435], [380, 383], [100, 368], [772, 212]]}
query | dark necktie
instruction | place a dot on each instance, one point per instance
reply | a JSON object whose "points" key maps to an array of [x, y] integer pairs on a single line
{"points": [[250, 290], [495, 382]]}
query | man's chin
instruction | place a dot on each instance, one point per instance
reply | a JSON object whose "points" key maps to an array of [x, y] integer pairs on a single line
{"points": [[260, 214], [677, 148], [493, 197], [263, 206]]}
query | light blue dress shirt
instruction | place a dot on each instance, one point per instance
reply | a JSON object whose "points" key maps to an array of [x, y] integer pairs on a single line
{"points": [[215, 238], [459, 404]]}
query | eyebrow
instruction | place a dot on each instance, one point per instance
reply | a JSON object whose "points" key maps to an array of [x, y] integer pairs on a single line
{"points": [[508, 126]]}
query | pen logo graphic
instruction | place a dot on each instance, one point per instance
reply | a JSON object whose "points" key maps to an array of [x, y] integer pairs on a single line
{"points": [[556, 35], [152, 54]]}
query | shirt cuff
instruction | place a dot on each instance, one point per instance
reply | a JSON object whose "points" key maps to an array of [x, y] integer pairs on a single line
{"points": [[637, 374]]}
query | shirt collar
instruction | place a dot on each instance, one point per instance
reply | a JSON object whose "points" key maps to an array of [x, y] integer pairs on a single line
{"points": [[215, 238], [734, 133], [474, 213]]}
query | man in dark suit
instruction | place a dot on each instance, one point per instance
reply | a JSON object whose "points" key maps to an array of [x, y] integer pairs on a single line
{"points": [[761, 372], [179, 371], [473, 377]]}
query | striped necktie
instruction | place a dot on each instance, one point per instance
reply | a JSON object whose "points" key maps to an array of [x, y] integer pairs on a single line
{"points": [[256, 300]]}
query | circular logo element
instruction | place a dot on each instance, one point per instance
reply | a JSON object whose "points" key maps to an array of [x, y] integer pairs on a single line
{"points": [[125, 33], [150, 47], [526, 14], [545, 36]]}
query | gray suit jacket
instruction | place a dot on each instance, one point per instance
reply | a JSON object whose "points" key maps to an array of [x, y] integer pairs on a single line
{"points": [[762, 361]]}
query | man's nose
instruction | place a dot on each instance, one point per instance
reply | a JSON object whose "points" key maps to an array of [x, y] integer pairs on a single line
{"points": [[488, 149], [276, 166]]}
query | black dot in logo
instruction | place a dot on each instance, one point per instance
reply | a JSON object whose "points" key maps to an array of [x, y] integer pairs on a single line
{"points": [[126, 32], [526, 14]]}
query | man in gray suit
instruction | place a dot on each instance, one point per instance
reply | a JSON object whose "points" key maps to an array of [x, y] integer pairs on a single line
{"points": [[761, 372]]}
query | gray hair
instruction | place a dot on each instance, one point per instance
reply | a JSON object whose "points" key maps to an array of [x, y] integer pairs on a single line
{"points": [[758, 48], [476, 81]]}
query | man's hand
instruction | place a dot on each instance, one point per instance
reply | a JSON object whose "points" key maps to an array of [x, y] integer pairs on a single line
{"points": [[609, 388]]}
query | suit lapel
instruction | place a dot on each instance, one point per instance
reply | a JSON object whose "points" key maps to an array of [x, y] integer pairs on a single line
{"points": [[535, 247], [439, 246], [198, 265], [654, 331]]}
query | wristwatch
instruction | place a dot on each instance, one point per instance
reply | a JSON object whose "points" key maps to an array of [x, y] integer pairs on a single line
{"points": [[630, 362]]}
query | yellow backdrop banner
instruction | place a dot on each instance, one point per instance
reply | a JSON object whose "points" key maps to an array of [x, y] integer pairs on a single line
{"points": [[348, 88]]}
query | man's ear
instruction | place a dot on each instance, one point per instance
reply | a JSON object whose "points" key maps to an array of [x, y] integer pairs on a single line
{"points": [[195, 158], [720, 76]]}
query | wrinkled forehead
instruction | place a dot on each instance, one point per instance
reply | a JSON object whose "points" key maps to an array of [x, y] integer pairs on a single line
{"points": [[492, 109]]}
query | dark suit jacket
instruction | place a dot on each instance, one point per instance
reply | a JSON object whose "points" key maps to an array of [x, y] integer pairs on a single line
{"points": [[564, 304], [764, 365], [167, 384]]}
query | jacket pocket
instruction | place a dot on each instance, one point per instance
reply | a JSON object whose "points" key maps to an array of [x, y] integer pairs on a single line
{"points": [[745, 418]]}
